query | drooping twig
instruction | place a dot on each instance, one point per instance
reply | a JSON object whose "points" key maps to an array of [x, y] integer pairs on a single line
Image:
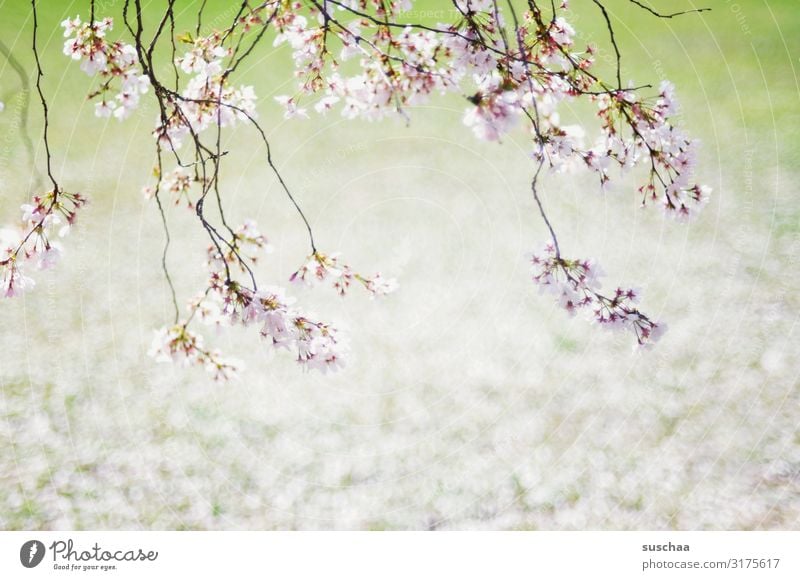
{"points": [[613, 41], [45, 113], [668, 15]]}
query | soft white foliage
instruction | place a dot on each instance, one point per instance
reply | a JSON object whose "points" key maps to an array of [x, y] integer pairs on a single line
{"points": [[32, 240]]}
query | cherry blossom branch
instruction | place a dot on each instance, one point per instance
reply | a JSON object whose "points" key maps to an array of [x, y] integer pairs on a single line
{"points": [[39, 75], [166, 97], [188, 112], [506, 72], [167, 237], [31, 241], [613, 42]]}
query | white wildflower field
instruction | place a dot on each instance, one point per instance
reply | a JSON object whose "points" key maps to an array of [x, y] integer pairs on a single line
{"points": [[466, 397]]}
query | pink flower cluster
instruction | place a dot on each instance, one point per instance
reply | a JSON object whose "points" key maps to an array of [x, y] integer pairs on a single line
{"points": [[246, 245], [32, 241], [227, 302], [384, 84], [178, 344], [320, 267], [177, 183], [576, 286], [652, 140], [508, 78], [208, 99], [113, 61], [368, 59]]}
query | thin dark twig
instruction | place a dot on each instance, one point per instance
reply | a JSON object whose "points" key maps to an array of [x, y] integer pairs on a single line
{"points": [[281, 180], [159, 29], [200, 16], [157, 195], [535, 121], [39, 75], [172, 44], [541, 208], [672, 15], [613, 41]]}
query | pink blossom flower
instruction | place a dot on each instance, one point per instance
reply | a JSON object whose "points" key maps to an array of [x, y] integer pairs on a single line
{"points": [[576, 285], [320, 267], [32, 242], [86, 42]]}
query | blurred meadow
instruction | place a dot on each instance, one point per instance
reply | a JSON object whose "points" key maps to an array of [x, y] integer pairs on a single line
{"points": [[469, 401]]}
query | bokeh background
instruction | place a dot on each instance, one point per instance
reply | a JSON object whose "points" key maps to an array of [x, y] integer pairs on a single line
{"points": [[469, 400]]}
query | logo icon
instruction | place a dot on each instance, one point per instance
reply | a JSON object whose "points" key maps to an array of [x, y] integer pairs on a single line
{"points": [[31, 553]]}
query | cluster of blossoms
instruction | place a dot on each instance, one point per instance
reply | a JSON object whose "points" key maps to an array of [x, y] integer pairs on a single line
{"points": [[576, 286], [32, 241], [384, 84], [177, 184], [178, 344], [319, 268], [652, 140], [113, 61], [227, 302], [208, 99], [510, 78], [246, 245], [366, 59]]}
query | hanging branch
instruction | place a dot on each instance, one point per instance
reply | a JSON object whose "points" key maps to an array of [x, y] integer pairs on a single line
{"points": [[672, 15], [507, 70], [613, 42], [45, 112], [31, 242]]}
